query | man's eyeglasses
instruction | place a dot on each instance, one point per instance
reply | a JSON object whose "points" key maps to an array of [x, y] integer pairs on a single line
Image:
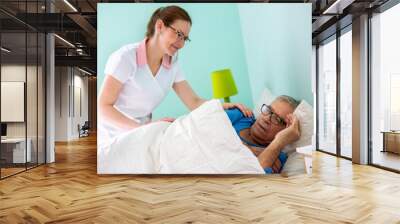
{"points": [[273, 117], [179, 34]]}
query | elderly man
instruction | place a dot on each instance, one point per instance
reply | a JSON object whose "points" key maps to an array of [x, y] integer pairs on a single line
{"points": [[267, 135]]}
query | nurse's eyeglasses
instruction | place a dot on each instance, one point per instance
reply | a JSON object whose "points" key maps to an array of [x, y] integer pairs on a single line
{"points": [[273, 117], [179, 34]]}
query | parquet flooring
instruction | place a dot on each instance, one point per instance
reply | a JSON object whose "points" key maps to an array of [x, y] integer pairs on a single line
{"points": [[387, 159], [10, 171], [70, 191]]}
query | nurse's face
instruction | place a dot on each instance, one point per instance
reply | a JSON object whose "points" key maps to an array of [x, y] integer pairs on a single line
{"points": [[172, 37]]}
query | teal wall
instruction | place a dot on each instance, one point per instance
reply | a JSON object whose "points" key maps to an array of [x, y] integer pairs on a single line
{"points": [[216, 44], [263, 44], [277, 42]]}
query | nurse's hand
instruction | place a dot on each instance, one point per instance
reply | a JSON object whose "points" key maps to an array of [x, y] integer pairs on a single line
{"points": [[245, 110], [167, 119]]}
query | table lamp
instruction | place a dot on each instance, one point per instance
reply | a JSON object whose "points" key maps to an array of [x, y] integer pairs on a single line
{"points": [[223, 84]]}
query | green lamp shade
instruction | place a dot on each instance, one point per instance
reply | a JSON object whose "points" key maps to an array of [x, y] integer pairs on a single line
{"points": [[223, 84]]}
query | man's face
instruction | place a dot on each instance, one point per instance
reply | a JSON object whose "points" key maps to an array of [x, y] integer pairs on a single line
{"points": [[265, 128]]}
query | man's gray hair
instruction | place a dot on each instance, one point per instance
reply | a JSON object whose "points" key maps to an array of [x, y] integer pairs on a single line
{"points": [[288, 99]]}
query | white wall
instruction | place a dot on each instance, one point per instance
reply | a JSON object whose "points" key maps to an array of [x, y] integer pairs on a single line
{"points": [[70, 83], [12, 73], [79, 117], [61, 103], [33, 127]]}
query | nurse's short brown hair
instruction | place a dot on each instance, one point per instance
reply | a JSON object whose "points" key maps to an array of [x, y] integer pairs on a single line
{"points": [[168, 15]]}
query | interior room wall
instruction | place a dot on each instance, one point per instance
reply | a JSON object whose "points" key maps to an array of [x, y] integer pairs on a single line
{"points": [[68, 82], [15, 72], [62, 80], [216, 43], [277, 43], [80, 109], [33, 126], [261, 43]]}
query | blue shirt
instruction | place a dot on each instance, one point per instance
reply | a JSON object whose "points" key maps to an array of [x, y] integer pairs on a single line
{"points": [[240, 122]]}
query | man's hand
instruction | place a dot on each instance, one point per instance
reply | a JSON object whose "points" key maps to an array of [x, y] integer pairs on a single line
{"points": [[246, 111], [292, 131]]}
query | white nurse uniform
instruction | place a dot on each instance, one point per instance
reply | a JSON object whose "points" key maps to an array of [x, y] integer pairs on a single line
{"points": [[141, 92]]}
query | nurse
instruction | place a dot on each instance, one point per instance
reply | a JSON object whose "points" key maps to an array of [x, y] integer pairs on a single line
{"points": [[139, 76]]}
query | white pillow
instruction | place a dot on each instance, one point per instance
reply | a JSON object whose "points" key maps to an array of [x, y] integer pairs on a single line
{"points": [[305, 113], [266, 97]]}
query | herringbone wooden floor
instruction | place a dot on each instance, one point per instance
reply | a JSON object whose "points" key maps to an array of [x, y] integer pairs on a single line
{"points": [[70, 191]]}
